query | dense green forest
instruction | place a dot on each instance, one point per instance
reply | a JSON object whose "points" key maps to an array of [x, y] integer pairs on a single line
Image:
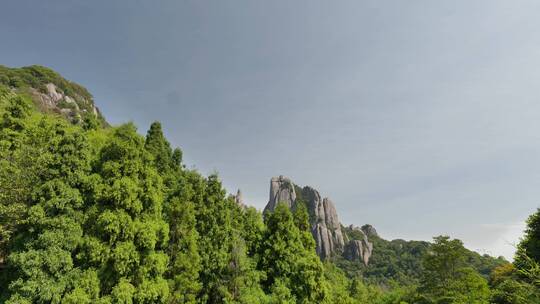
{"points": [[91, 213]]}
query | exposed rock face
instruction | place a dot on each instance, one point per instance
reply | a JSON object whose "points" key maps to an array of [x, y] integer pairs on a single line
{"points": [[281, 191], [69, 106], [326, 228], [359, 247], [359, 250], [325, 225]]}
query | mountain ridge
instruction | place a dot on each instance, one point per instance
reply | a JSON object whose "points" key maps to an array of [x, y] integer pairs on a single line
{"points": [[361, 250], [52, 93]]}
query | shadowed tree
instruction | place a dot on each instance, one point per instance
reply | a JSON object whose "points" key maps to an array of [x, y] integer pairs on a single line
{"points": [[530, 244]]}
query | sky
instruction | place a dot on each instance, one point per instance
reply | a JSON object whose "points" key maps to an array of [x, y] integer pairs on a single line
{"points": [[421, 118]]}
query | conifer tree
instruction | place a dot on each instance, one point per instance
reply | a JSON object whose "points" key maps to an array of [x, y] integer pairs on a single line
{"points": [[126, 233], [214, 223], [17, 166], [182, 192], [185, 262], [287, 263], [158, 147], [241, 279], [252, 230], [301, 219], [51, 233]]}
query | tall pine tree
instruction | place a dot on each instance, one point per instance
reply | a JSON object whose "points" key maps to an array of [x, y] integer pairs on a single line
{"points": [[183, 248], [215, 225], [183, 191], [51, 233], [287, 263], [126, 233]]}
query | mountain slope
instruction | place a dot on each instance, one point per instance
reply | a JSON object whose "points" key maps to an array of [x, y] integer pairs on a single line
{"points": [[52, 93], [360, 251]]}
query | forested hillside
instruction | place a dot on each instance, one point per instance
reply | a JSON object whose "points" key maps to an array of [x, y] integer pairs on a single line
{"points": [[91, 213]]}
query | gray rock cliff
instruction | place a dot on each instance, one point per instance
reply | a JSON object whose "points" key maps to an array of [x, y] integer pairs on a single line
{"points": [[325, 225], [281, 191], [330, 237], [359, 248]]}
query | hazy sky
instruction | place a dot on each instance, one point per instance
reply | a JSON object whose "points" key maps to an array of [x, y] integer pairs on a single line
{"points": [[419, 117]]}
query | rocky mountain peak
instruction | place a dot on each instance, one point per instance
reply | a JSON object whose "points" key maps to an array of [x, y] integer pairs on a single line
{"points": [[281, 191], [325, 225]]}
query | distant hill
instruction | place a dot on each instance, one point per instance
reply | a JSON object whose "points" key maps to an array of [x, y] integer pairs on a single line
{"points": [[360, 250], [52, 93]]}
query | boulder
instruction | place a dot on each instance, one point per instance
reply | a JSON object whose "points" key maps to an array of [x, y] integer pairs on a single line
{"points": [[53, 95]]}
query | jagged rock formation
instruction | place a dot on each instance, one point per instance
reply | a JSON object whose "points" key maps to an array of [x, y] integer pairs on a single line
{"points": [[281, 191], [326, 227], [359, 248], [325, 224]]}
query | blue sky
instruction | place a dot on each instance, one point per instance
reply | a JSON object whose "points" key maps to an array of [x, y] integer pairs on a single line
{"points": [[418, 117]]}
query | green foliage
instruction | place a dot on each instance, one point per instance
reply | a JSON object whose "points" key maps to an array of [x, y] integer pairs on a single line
{"points": [[18, 172], [160, 149], [508, 288], [530, 244], [185, 264], [340, 289], [128, 219], [301, 219], [50, 230], [287, 263], [400, 261], [215, 219], [252, 230], [36, 76], [446, 279]]}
